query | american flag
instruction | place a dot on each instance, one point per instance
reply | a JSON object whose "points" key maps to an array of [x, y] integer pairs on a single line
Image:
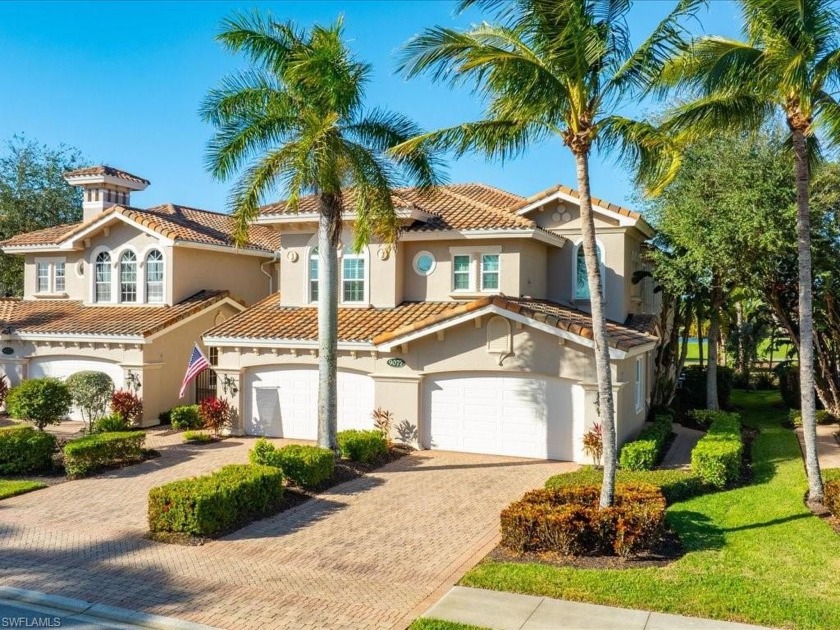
{"points": [[198, 362]]}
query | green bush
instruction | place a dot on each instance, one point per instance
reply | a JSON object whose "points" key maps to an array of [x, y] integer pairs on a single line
{"points": [[185, 417], [165, 417], [362, 446], [823, 417], [788, 374], [716, 458], [200, 437], [41, 401], [305, 466], [102, 450], [692, 394], [91, 392], [110, 424], [676, 485], [24, 450], [569, 521], [216, 504], [647, 450]]}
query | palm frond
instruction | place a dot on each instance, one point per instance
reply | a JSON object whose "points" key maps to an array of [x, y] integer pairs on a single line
{"points": [[718, 112], [262, 39]]}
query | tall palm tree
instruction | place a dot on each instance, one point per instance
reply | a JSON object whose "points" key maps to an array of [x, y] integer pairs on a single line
{"points": [[787, 64], [555, 69], [295, 119]]}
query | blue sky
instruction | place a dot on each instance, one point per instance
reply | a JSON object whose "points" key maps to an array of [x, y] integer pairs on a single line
{"points": [[123, 81]]}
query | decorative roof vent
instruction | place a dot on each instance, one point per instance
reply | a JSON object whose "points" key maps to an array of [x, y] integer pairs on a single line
{"points": [[103, 187]]}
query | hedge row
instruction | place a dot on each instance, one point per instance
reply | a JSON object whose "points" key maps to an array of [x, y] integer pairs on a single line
{"points": [[692, 394], [24, 450], [362, 446], [216, 504], [102, 450], [647, 450], [568, 521], [306, 466], [716, 458], [823, 417], [676, 485]]}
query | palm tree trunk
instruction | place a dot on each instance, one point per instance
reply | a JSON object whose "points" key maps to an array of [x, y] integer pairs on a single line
{"points": [[330, 212], [711, 370], [606, 406], [806, 322]]}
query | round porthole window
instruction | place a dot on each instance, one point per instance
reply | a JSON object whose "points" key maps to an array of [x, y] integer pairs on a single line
{"points": [[424, 263]]}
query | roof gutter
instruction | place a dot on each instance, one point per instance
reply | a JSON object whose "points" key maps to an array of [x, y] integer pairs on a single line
{"points": [[275, 257]]}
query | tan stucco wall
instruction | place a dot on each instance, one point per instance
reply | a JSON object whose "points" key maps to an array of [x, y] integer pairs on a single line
{"points": [[196, 270]]}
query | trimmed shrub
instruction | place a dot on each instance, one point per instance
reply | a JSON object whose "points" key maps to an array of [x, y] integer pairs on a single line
{"points": [[693, 392], [41, 401], [128, 406], [788, 374], [91, 392], [362, 446], [823, 417], [305, 466], [185, 417], [24, 450], [165, 417], [647, 450], [102, 450], [110, 424], [216, 504], [676, 485], [199, 437], [716, 458], [215, 414], [568, 521]]}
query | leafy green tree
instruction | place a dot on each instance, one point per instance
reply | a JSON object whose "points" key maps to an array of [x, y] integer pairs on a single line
{"points": [[296, 119], [41, 401], [556, 69], [788, 65], [33, 195], [91, 392]]}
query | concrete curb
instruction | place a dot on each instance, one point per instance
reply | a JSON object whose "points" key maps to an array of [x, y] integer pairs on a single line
{"points": [[101, 612]]}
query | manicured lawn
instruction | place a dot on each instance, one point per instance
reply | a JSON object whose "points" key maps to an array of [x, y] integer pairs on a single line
{"points": [[437, 624], [755, 554], [693, 351], [14, 488]]}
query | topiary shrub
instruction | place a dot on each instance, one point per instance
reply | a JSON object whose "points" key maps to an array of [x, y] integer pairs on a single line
{"points": [[102, 450], [647, 450], [215, 414], [41, 401], [128, 406], [569, 521], [110, 424], [185, 417], [716, 458], [692, 394], [23, 450], [91, 392], [362, 446], [216, 504], [305, 466]]}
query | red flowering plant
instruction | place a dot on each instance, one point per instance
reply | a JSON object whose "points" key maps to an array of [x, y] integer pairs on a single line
{"points": [[593, 443], [128, 406], [215, 413]]}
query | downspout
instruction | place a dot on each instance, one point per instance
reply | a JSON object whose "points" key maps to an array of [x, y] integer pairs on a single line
{"points": [[275, 257]]}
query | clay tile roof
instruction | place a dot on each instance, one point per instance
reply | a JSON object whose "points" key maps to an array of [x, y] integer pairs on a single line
{"points": [[179, 223], [72, 317], [268, 320], [571, 191], [105, 170]]}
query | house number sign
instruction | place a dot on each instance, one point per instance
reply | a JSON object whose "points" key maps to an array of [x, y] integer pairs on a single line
{"points": [[396, 362]]}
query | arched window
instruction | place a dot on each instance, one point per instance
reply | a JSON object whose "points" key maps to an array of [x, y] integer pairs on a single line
{"points": [[581, 281], [102, 279], [154, 277], [128, 277], [313, 274]]}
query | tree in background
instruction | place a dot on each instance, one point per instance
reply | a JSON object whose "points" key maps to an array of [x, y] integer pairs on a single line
{"points": [[33, 195]]}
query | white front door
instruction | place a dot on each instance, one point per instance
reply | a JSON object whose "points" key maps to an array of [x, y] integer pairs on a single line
{"points": [[284, 402], [62, 367]]}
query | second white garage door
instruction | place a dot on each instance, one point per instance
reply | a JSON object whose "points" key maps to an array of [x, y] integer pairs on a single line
{"points": [[284, 402], [520, 416]]}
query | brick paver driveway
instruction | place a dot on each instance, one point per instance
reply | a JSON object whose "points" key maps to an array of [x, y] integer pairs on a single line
{"points": [[366, 555]]}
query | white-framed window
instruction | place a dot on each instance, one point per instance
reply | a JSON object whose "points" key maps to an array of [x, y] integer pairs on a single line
{"points": [[581, 280], [424, 263], [128, 276], [461, 272], [640, 383], [489, 272], [43, 275], [154, 277], [102, 277], [313, 274], [353, 278], [59, 278]]}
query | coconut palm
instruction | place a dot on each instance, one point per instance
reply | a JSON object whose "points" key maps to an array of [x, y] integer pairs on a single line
{"points": [[296, 120], [788, 64], [555, 69]]}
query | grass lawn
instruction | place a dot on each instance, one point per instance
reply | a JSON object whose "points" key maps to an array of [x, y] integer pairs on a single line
{"points": [[13, 488], [438, 624], [693, 351], [755, 554]]}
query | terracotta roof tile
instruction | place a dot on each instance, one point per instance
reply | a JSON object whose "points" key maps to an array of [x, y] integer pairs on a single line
{"points": [[105, 170], [73, 317], [47, 236], [574, 193]]}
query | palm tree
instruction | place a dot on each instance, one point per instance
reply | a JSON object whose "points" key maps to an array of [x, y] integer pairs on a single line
{"points": [[555, 69], [296, 119], [788, 64]]}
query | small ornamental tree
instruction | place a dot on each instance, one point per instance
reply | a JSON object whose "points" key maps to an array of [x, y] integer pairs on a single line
{"points": [[41, 401], [215, 414], [4, 389], [91, 392], [593, 443], [128, 406]]}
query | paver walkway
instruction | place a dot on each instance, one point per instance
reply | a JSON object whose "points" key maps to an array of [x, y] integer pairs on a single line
{"points": [[497, 610], [828, 449], [367, 554], [679, 454]]}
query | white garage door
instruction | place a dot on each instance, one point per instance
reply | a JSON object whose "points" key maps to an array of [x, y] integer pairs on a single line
{"points": [[284, 402], [63, 367], [520, 416]]}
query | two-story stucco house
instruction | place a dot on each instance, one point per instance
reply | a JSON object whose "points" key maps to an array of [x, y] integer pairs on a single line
{"points": [[473, 331], [128, 291]]}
